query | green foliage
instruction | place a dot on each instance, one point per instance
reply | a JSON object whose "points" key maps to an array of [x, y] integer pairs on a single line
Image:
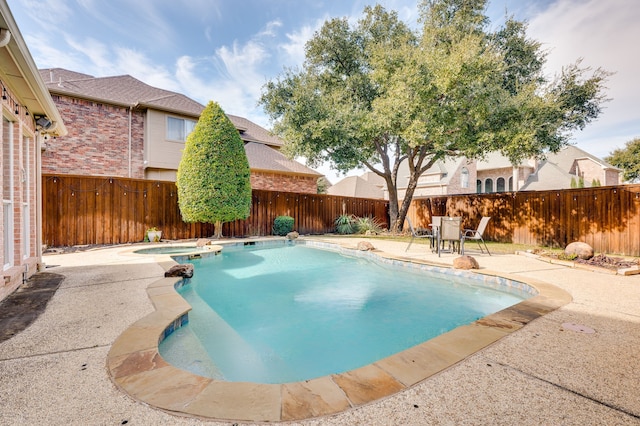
{"points": [[595, 182], [346, 224], [565, 256], [375, 94], [577, 184], [323, 185], [213, 176], [627, 159], [364, 224], [282, 225]]}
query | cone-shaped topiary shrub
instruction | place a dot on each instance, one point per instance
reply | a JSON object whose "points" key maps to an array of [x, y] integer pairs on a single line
{"points": [[213, 176]]}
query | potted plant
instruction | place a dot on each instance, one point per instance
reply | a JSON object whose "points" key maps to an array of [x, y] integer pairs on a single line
{"points": [[153, 234]]}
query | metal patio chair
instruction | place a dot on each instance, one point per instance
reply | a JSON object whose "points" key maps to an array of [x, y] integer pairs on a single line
{"points": [[415, 234], [475, 234]]}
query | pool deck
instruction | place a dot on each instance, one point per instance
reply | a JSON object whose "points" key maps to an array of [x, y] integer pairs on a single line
{"points": [[81, 361]]}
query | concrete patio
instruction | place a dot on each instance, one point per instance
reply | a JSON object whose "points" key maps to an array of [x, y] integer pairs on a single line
{"points": [[54, 372]]}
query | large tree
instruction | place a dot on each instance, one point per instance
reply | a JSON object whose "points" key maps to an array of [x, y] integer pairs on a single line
{"points": [[377, 94], [213, 176], [628, 159]]}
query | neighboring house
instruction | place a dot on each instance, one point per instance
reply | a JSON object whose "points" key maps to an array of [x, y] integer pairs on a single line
{"points": [[357, 186], [28, 116], [496, 174], [122, 127], [569, 166]]}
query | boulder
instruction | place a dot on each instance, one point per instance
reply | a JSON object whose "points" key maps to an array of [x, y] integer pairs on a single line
{"points": [[370, 232], [184, 271], [465, 262], [365, 246], [580, 249], [203, 242], [292, 235]]}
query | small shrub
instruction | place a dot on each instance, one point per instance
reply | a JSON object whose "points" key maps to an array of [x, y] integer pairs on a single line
{"points": [[565, 256], [364, 224], [282, 225], [346, 224]]}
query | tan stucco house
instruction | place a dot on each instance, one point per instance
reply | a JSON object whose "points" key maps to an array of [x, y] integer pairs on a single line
{"points": [[122, 127], [29, 115], [495, 173]]}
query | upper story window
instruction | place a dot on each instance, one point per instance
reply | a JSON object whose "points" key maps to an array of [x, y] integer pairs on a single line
{"points": [[464, 178], [179, 128]]}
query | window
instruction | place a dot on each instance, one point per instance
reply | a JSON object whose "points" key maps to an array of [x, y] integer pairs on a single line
{"points": [[464, 178], [488, 185], [479, 186], [500, 185], [179, 128], [511, 183]]}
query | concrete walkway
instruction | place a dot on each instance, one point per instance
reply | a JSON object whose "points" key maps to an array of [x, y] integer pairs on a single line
{"points": [[553, 371]]}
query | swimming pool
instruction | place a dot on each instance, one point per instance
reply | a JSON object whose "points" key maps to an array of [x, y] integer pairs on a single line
{"points": [[171, 249], [291, 313]]}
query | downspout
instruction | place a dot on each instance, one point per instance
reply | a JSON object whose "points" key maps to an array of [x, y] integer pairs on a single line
{"points": [[39, 216]]}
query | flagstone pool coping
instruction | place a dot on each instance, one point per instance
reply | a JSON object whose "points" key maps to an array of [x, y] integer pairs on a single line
{"points": [[136, 367]]}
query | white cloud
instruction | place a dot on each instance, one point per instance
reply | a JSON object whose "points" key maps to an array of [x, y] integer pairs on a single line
{"points": [[57, 12], [136, 64], [97, 53], [294, 48], [605, 34]]}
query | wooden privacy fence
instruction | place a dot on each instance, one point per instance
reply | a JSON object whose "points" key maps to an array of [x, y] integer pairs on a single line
{"points": [[101, 210], [607, 218]]}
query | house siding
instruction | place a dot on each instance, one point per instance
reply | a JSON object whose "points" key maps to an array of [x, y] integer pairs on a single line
{"points": [[98, 140]]}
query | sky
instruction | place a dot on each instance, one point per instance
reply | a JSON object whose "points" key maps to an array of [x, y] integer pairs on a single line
{"points": [[226, 50]]}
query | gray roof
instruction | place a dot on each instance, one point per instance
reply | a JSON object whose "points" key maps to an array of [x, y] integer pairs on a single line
{"points": [[355, 186], [263, 157], [127, 91], [119, 90]]}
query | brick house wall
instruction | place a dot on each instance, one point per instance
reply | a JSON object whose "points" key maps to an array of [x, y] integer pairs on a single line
{"points": [[284, 183], [495, 174], [19, 187], [590, 171], [97, 143]]}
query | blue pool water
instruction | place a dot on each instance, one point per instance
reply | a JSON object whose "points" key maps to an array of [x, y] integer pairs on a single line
{"points": [[292, 313]]}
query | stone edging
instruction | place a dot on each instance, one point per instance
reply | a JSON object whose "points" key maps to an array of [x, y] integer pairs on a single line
{"points": [[571, 264]]}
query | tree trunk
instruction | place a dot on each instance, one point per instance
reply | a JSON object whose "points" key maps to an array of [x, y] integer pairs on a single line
{"points": [[406, 202], [217, 230]]}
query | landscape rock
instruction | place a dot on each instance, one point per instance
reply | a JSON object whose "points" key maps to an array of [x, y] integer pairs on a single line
{"points": [[365, 246], [580, 249], [370, 232], [465, 262], [292, 235], [203, 242], [184, 271]]}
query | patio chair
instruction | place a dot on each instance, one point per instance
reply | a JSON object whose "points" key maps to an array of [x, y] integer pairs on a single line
{"points": [[475, 234], [450, 232], [415, 234]]}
